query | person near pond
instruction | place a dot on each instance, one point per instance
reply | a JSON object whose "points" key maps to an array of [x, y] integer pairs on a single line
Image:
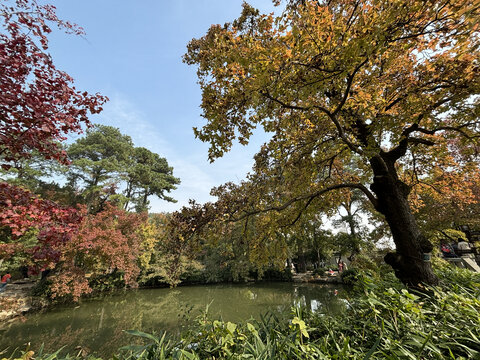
{"points": [[4, 281], [447, 251], [464, 249], [340, 266]]}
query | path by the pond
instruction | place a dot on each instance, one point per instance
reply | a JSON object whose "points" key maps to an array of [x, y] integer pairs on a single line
{"points": [[309, 277]]}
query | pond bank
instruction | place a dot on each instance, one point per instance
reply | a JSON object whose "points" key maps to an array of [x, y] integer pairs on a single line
{"points": [[97, 324], [309, 277], [17, 300]]}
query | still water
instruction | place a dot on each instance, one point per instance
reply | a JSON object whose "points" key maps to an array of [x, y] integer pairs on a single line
{"points": [[96, 326]]}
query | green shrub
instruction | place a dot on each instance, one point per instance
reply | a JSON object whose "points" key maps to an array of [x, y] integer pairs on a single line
{"points": [[42, 288], [350, 276], [107, 282], [277, 275], [320, 271]]}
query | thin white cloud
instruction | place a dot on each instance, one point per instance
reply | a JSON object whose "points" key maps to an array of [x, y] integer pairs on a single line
{"points": [[121, 113], [197, 175]]}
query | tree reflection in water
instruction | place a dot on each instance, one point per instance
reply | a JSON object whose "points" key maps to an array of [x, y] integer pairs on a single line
{"points": [[96, 326]]}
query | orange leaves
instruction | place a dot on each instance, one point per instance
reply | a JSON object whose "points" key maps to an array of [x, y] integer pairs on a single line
{"points": [[339, 80], [236, 71], [448, 196], [104, 243]]}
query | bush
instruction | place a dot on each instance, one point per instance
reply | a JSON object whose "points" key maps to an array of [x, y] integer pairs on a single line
{"points": [[350, 276], [277, 275], [42, 288], [107, 282], [320, 271]]}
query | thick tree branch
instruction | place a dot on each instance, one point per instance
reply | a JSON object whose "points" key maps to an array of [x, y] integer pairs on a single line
{"points": [[402, 147], [420, 141], [349, 86], [399, 151], [310, 198], [327, 112]]}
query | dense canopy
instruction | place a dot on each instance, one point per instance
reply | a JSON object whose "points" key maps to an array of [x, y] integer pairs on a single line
{"points": [[373, 95]]}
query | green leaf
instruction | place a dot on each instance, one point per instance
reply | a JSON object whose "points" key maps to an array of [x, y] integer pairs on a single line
{"points": [[142, 334], [231, 327]]}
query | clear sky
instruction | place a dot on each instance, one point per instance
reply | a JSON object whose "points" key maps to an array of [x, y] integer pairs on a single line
{"points": [[132, 53]]}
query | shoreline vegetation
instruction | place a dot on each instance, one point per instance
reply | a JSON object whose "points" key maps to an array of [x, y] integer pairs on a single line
{"points": [[19, 299], [382, 319]]}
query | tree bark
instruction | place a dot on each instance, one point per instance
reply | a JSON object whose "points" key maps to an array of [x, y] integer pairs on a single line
{"points": [[145, 199], [353, 232], [392, 194], [128, 194]]}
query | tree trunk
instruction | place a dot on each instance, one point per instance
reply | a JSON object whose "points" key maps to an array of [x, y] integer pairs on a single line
{"points": [[128, 195], [302, 264], [353, 232], [392, 196], [145, 199]]}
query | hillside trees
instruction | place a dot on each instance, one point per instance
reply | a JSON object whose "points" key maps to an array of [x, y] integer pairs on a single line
{"points": [[389, 86]]}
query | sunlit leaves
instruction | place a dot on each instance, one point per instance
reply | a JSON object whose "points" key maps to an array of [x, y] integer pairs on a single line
{"points": [[374, 95]]}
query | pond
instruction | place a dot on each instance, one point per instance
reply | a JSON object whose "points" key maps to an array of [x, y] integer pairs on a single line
{"points": [[96, 326]]}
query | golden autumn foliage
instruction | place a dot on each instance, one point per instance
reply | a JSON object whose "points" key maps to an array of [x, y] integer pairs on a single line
{"points": [[375, 95]]}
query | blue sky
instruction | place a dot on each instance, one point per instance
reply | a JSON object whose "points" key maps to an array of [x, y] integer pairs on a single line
{"points": [[132, 53]]}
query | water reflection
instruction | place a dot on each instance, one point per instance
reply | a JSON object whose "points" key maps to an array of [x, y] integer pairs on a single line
{"points": [[97, 325]]}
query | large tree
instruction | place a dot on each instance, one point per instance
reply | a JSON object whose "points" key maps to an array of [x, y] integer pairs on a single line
{"points": [[105, 160], [389, 85], [148, 174], [99, 161]]}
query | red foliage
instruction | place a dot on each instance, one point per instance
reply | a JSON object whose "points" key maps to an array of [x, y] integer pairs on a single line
{"points": [[21, 210], [38, 103], [38, 106], [71, 242], [104, 243]]}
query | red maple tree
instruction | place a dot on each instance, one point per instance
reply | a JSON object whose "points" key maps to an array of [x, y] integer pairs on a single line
{"points": [[38, 103], [105, 243], [21, 210], [39, 106]]}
